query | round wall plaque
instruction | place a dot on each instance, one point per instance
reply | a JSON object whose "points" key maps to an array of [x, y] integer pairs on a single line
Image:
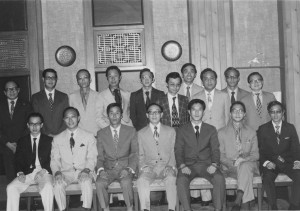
{"points": [[171, 50], [65, 56]]}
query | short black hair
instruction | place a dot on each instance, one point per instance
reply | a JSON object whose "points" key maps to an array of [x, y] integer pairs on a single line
{"points": [[273, 103], [195, 101], [186, 65], [83, 70], [146, 70], [18, 86], [152, 104], [252, 74], [207, 70], [35, 114], [70, 108], [238, 103], [114, 105], [112, 68], [231, 68], [173, 75], [49, 70]]}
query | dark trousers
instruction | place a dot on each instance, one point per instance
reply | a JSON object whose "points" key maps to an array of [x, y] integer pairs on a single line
{"points": [[8, 158], [200, 170], [269, 177]]}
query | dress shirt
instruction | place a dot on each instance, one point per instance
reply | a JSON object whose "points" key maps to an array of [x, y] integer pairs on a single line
{"points": [[170, 100], [74, 134], [235, 92], [112, 129], [9, 104], [37, 141], [144, 94], [194, 125], [212, 93], [255, 97], [184, 85], [52, 92], [152, 127]]}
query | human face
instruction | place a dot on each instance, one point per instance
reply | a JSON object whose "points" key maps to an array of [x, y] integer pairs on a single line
{"points": [[232, 79], [11, 90], [237, 113], [113, 78], [196, 113], [276, 114], [188, 74], [154, 114], [209, 81], [71, 119], [256, 83], [83, 79], [35, 125], [146, 79], [115, 116], [50, 81], [173, 86]]}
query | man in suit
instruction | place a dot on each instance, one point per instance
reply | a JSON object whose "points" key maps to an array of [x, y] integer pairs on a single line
{"points": [[188, 87], [232, 77], [279, 151], [118, 157], [73, 159], [113, 94], [85, 100], [33, 165], [13, 119], [257, 101], [174, 105], [50, 103], [217, 101], [140, 100], [239, 154], [197, 154], [156, 158]]}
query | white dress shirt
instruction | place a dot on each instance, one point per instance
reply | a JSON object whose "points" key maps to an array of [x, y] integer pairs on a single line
{"points": [[52, 92], [170, 100], [255, 97]]}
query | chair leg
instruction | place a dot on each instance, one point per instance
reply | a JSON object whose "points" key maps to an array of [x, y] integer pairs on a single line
{"points": [[136, 200], [259, 198], [225, 201], [95, 201], [289, 191], [28, 203], [177, 204], [68, 201]]}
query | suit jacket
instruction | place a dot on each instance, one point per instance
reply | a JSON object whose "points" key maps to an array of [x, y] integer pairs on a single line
{"points": [[183, 102], [83, 155], [107, 98], [228, 149], [190, 150], [23, 154], [288, 147], [239, 95], [138, 108], [252, 118], [218, 116], [88, 116], [195, 89], [12, 129], [127, 151], [151, 154], [53, 120]]}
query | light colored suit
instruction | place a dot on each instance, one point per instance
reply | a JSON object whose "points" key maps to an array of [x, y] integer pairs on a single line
{"points": [[157, 155], [88, 116], [106, 98], [195, 89], [72, 162], [239, 95], [252, 118]]}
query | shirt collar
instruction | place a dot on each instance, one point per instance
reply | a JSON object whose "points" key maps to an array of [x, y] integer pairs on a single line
{"points": [[211, 93], [37, 139], [194, 125], [254, 93], [274, 125], [74, 132], [118, 129], [144, 90], [185, 85], [170, 97], [229, 90], [47, 92], [15, 100], [152, 127]]}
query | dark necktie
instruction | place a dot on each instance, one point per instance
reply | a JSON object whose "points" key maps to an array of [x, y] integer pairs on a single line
{"points": [[12, 108], [277, 133], [147, 99], [33, 153], [72, 141], [232, 97], [258, 104], [175, 118], [51, 102], [197, 131], [155, 135], [188, 94], [118, 98]]}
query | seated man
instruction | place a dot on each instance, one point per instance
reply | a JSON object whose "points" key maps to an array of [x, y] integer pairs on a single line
{"points": [[73, 159], [239, 154], [118, 157], [279, 151], [156, 158], [197, 154], [33, 165]]}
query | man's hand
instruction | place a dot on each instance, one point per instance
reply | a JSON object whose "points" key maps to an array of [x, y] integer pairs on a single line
{"points": [[40, 174], [103, 174], [296, 165], [271, 165], [169, 171], [58, 177], [124, 173], [211, 169], [146, 169], [84, 175], [12, 146], [186, 170], [239, 161], [22, 177]]}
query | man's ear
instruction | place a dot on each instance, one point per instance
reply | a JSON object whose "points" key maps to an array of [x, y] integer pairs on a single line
{"points": [[42, 124]]}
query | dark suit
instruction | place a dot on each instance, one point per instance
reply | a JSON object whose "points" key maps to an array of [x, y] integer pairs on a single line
{"points": [[53, 120], [11, 130], [138, 108], [183, 102], [282, 155], [198, 154]]}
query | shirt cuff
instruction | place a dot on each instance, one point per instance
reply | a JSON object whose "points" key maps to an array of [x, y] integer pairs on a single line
{"points": [[266, 163], [99, 169], [133, 172], [296, 161]]}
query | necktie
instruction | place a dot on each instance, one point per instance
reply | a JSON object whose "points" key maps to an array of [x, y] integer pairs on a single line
{"points": [[258, 104], [238, 143], [51, 102], [33, 153], [209, 100], [118, 98], [188, 94], [197, 131], [84, 101], [277, 133], [232, 97], [147, 99], [175, 118], [116, 139], [155, 135], [12, 108], [72, 141]]}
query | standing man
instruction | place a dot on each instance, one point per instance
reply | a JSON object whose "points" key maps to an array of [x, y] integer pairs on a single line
{"points": [[141, 99], [156, 158], [85, 100], [33, 165], [197, 154], [173, 104], [232, 77], [73, 159], [50, 103], [118, 157], [188, 87], [113, 94], [257, 101], [13, 119], [279, 151]]}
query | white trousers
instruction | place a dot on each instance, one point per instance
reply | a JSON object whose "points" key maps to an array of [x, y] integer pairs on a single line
{"points": [[15, 188], [205, 194]]}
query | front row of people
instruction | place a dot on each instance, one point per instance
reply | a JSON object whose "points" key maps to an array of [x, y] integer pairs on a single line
{"points": [[157, 151]]}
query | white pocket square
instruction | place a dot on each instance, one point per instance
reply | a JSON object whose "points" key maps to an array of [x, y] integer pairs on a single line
{"points": [[286, 138]]}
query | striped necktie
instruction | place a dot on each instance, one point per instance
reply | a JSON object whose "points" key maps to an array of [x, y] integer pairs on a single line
{"points": [[258, 105]]}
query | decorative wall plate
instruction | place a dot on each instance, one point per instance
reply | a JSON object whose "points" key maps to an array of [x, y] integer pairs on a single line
{"points": [[171, 50], [65, 56]]}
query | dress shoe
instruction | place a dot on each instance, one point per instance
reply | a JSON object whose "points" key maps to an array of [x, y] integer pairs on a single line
{"points": [[236, 207], [293, 207], [146, 210], [171, 210], [205, 203], [274, 207]]}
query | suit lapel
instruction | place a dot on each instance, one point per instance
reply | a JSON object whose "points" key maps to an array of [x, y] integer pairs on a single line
{"points": [[191, 131], [154, 95], [140, 98], [166, 107], [45, 101]]}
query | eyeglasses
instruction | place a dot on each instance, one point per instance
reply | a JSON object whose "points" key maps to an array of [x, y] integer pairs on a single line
{"points": [[275, 112], [13, 89], [50, 78], [154, 112], [209, 79], [237, 111], [258, 81], [34, 124]]}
